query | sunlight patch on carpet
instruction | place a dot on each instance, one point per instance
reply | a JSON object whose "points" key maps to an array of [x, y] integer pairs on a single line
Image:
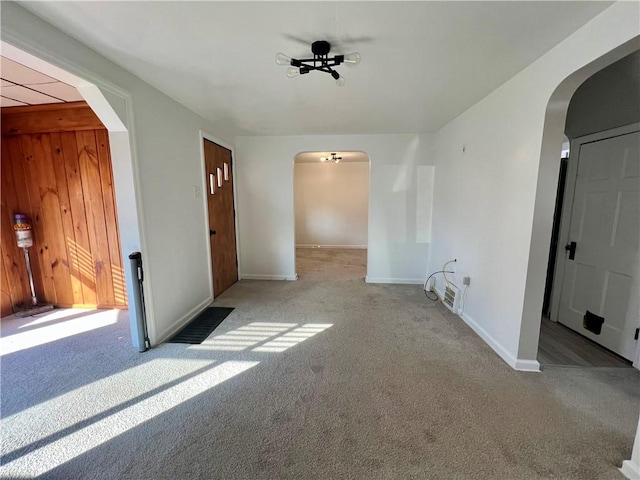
{"points": [[246, 336], [263, 337], [101, 395], [51, 333], [48, 457], [292, 338]]}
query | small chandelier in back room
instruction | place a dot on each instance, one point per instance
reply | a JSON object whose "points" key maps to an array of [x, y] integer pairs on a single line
{"points": [[320, 61], [333, 158]]}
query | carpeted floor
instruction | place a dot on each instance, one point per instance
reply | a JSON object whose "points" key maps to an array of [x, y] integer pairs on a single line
{"points": [[322, 378], [325, 264]]}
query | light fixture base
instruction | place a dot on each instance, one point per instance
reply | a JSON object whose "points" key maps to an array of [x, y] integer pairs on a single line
{"points": [[320, 47]]}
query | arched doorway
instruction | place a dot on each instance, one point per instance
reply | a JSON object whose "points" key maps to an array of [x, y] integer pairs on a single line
{"points": [[546, 193], [117, 139], [331, 204]]}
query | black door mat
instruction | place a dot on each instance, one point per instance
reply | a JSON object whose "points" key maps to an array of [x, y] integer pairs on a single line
{"points": [[201, 327]]}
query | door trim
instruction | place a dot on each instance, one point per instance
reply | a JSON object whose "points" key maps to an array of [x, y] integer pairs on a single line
{"points": [[555, 237], [202, 136]]}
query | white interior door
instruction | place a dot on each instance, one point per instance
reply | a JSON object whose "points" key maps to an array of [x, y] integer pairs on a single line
{"points": [[605, 226]]}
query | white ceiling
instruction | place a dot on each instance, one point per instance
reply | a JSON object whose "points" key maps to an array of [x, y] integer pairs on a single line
{"points": [[22, 85], [423, 63]]}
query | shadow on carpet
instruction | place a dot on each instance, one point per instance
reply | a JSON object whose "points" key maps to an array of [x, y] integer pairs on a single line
{"points": [[201, 326]]}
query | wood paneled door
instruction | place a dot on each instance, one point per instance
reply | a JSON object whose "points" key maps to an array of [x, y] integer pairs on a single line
{"points": [[56, 168], [222, 227]]}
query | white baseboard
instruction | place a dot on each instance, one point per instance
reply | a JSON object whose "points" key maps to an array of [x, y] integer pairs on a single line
{"points": [[527, 366], [347, 247], [398, 281], [516, 364], [630, 470], [521, 365], [252, 276], [186, 318]]}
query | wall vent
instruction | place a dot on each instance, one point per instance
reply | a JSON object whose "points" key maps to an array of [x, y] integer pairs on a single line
{"points": [[451, 298]]}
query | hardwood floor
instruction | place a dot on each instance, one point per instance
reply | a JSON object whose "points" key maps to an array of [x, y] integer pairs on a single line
{"points": [[560, 345]]}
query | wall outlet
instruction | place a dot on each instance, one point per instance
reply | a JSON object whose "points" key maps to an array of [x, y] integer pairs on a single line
{"points": [[466, 280], [196, 191]]}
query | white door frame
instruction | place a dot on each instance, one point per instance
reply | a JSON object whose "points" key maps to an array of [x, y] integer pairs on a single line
{"points": [[565, 222]]}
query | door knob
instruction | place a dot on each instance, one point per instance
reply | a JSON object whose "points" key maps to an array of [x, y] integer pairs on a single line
{"points": [[212, 232], [571, 248]]}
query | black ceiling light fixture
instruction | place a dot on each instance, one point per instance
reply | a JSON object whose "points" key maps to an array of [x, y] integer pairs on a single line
{"points": [[321, 61], [333, 158]]}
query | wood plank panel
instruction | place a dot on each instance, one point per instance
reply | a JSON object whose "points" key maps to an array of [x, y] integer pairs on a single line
{"points": [[54, 232], [69, 117], [24, 205], [78, 244], [40, 251], [17, 197], [90, 174], [66, 217], [6, 304], [16, 165], [64, 183], [111, 217], [12, 259]]}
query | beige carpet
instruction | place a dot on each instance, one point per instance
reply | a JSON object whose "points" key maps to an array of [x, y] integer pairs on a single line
{"points": [[331, 264], [322, 378]]}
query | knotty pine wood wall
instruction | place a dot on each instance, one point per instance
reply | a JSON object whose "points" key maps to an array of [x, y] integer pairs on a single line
{"points": [[56, 168]]}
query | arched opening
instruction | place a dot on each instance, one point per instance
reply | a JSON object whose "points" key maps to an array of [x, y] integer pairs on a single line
{"points": [[554, 128], [118, 235], [331, 208]]}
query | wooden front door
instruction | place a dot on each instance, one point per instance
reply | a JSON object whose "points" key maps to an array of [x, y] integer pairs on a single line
{"points": [[222, 228]]}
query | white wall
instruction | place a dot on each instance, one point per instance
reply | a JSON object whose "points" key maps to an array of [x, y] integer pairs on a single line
{"points": [[331, 203], [608, 99], [165, 142], [493, 203], [401, 180]]}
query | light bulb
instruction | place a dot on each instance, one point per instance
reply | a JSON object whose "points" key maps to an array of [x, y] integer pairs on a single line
{"points": [[323, 159], [352, 58], [293, 72], [337, 160], [282, 59], [340, 81]]}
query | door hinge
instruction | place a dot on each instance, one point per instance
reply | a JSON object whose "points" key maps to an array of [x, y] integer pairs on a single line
{"points": [[635, 337]]}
